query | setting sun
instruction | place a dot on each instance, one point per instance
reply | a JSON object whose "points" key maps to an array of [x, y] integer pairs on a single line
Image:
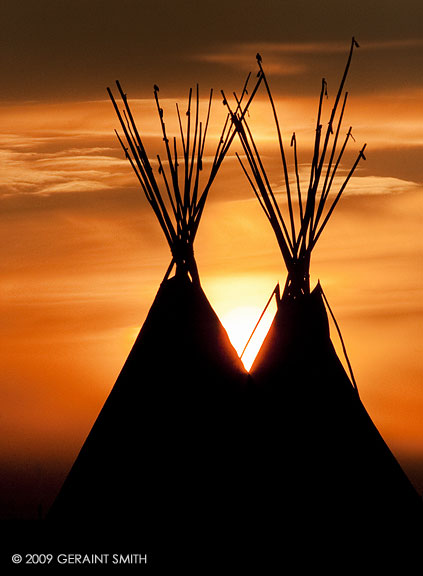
{"points": [[239, 324]]}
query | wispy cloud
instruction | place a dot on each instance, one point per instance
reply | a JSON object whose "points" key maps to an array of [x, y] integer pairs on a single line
{"points": [[377, 185], [241, 53], [63, 171], [242, 57], [291, 60], [393, 44]]}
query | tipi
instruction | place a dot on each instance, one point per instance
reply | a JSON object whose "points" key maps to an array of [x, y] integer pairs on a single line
{"points": [[325, 469], [163, 457]]}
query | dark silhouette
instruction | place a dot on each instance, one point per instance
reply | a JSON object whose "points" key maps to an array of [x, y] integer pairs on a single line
{"points": [[324, 465], [165, 460]]}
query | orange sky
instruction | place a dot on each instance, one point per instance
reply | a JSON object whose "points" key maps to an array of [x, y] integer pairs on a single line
{"points": [[82, 255]]}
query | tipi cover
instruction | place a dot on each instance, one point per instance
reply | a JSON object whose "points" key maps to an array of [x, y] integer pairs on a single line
{"points": [[164, 460], [324, 468]]}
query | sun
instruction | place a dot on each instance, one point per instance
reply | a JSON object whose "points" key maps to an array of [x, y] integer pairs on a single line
{"points": [[239, 323]]}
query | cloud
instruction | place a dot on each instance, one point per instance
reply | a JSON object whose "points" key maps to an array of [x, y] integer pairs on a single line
{"points": [[377, 185], [242, 57], [280, 58], [394, 44], [292, 58], [72, 147], [238, 52], [63, 171]]}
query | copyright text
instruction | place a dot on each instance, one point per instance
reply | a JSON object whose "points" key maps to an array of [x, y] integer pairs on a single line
{"points": [[79, 559]]}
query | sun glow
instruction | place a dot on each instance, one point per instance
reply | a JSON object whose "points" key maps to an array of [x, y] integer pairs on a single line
{"points": [[239, 324]]}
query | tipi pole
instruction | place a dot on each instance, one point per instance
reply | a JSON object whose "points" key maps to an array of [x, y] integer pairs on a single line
{"points": [[344, 349], [328, 215], [258, 196], [142, 160], [317, 169], [276, 292], [329, 129], [329, 186], [282, 151], [259, 173], [169, 154], [325, 189], [297, 176], [227, 136], [142, 168]]}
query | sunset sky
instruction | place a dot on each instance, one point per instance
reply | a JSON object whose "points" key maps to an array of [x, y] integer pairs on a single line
{"points": [[82, 255]]}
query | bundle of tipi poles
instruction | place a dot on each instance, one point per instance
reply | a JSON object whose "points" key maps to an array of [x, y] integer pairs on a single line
{"points": [[297, 235], [173, 187]]}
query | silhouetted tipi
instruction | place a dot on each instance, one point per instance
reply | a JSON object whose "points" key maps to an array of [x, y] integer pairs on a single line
{"points": [[162, 456], [325, 469]]}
